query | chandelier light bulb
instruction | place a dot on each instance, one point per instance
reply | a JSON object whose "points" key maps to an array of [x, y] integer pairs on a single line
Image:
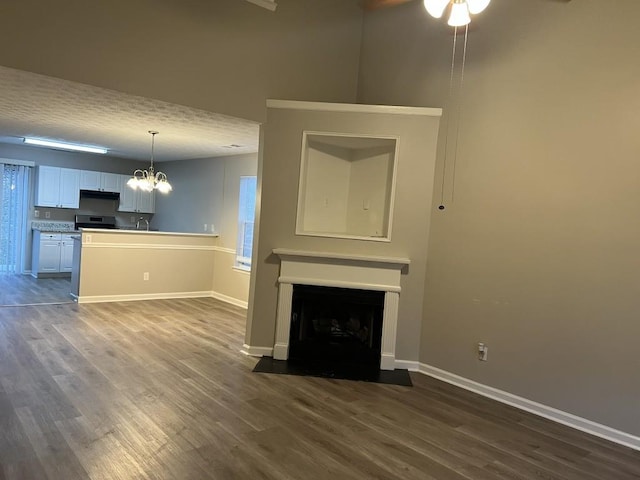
{"points": [[459, 16], [436, 7]]}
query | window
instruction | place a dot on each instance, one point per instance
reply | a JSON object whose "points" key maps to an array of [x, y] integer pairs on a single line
{"points": [[14, 188], [246, 216]]}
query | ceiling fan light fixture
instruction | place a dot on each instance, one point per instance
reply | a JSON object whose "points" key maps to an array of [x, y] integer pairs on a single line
{"points": [[459, 16], [436, 7], [477, 6]]}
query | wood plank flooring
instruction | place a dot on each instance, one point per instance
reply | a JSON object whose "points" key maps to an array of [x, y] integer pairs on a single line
{"points": [[159, 390], [27, 290]]}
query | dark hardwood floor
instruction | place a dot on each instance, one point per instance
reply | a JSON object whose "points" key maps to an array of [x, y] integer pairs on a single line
{"points": [[159, 390], [27, 290]]}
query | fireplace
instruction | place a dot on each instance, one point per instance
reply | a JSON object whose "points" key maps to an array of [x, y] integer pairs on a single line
{"points": [[365, 293], [338, 327]]}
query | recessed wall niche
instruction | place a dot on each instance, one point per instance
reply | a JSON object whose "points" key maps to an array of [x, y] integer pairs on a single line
{"points": [[347, 185]]}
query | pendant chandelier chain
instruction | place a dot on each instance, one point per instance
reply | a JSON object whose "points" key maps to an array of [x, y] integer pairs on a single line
{"points": [[149, 180]]}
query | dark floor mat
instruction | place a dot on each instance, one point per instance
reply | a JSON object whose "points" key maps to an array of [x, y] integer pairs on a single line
{"points": [[284, 367]]}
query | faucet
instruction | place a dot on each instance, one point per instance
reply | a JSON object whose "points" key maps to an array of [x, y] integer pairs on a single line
{"points": [[138, 223]]}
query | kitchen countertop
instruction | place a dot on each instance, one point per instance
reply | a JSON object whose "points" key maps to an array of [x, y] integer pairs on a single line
{"points": [[53, 226], [145, 232], [54, 230]]}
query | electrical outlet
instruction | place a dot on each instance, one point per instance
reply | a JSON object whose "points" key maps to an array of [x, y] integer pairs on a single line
{"points": [[145, 276], [87, 239], [213, 228], [36, 213], [133, 220], [47, 214], [483, 352], [205, 227]]}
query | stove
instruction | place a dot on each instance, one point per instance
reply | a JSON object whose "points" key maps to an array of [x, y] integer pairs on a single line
{"points": [[95, 221]]}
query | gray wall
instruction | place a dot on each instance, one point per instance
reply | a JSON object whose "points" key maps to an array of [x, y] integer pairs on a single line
{"points": [[225, 56], [204, 191], [538, 253]]}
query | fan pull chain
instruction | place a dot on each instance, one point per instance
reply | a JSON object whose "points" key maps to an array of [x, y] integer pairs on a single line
{"points": [[455, 151], [446, 127]]}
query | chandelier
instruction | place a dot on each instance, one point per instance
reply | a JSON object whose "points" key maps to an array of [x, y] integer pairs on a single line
{"points": [[459, 11], [148, 180]]}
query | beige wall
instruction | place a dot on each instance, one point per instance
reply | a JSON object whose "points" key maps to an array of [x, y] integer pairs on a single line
{"points": [[113, 264], [538, 252], [279, 174], [225, 56]]}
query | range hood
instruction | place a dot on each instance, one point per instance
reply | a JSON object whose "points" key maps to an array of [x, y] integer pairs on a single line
{"points": [[101, 195]]}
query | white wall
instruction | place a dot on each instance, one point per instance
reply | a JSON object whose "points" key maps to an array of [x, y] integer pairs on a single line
{"points": [[326, 194], [369, 192]]}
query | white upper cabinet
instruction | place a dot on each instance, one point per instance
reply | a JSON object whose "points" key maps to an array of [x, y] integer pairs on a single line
{"points": [[89, 180], [135, 200], [99, 181], [58, 187], [110, 182]]}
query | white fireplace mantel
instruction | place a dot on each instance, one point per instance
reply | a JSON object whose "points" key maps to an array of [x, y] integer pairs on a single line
{"points": [[344, 271]]}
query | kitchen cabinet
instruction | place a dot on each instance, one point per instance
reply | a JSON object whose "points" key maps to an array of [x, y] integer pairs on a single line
{"points": [[57, 187], [100, 181], [136, 201], [52, 253]]}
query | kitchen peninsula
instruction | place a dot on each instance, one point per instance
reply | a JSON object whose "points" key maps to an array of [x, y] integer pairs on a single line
{"points": [[120, 265]]}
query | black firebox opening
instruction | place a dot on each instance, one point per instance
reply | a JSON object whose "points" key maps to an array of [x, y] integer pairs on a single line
{"points": [[336, 327]]}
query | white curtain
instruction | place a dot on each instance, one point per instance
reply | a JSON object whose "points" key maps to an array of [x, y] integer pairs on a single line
{"points": [[13, 216]]}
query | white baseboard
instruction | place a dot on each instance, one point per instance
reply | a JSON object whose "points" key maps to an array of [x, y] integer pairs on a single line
{"points": [[408, 365], [228, 299], [530, 406], [159, 296], [140, 296], [257, 351]]}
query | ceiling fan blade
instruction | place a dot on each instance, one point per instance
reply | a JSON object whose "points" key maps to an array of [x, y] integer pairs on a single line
{"points": [[376, 4]]}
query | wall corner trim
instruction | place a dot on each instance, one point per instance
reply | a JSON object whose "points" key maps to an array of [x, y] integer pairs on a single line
{"points": [[550, 413], [230, 300], [257, 351], [268, 4], [353, 108]]}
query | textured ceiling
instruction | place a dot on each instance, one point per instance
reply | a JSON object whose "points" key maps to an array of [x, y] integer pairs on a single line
{"points": [[55, 109]]}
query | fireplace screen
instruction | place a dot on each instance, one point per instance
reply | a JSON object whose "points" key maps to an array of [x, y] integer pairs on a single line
{"points": [[336, 326]]}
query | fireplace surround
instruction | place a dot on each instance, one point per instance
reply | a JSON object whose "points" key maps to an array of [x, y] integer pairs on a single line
{"points": [[343, 271], [336, 327]]}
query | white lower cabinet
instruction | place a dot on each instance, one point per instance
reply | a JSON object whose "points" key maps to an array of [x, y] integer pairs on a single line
{"points": [[52, 253]]}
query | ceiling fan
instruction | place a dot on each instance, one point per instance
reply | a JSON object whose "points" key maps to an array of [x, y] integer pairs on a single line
{"points": [[459, 10], [376, 4]]}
